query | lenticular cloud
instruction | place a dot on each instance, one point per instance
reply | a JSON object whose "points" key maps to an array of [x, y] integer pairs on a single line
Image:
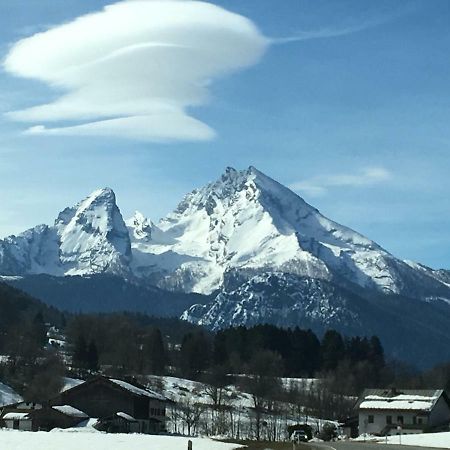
{"points": [[134, 68]]}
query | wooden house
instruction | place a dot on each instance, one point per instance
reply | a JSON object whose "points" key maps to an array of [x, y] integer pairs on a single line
{"points": [[104, 398]]}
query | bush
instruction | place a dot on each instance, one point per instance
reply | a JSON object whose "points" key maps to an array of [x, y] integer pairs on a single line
{"points": [[328, 432]]}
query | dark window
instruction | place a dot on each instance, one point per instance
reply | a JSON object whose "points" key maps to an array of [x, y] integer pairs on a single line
{"points": [[400, 419], [370, 419], [420, 420], [389, 420], [414, 420]]}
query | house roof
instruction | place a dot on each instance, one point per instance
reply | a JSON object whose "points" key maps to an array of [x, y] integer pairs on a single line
{"points": [[16, 416], [137, 390], [120, 384], [400, 400], [126, 417], [70, 411]]}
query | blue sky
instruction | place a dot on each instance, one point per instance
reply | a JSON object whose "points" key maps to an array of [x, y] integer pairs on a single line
{"points": [[348, 103]]}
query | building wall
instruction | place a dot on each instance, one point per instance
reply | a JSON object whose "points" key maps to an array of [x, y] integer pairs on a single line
{"points": [[157, 409], [24, 425], [440, 413], [380, 421], [47, 418]]}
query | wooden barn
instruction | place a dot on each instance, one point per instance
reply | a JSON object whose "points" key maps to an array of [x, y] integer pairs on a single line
{"points": [[120, 406]]}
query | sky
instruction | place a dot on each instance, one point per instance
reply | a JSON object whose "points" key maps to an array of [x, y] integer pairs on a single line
{"points": [[347, 103]]}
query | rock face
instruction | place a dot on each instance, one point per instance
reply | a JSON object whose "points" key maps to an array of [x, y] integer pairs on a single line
{"points": [[258, 250]]}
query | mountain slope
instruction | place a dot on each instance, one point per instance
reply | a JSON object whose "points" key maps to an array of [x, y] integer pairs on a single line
{"points": [[248, 222], [104, 293], [410, 329]]}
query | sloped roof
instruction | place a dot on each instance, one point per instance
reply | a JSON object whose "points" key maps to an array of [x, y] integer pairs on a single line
{"points": [[124, 385], [137, 390], [126, 417], [400, 400], [16, 416], [70, 411]]}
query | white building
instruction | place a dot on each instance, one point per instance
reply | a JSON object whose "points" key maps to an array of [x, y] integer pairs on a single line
{"points": [[385, 412]]}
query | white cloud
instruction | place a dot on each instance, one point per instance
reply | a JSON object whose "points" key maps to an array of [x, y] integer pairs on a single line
{"points": [[320, 185], [135, 68]]}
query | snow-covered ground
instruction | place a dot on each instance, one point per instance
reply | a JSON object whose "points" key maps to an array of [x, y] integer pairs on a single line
{"points": [[237, 417], [437, 440], [22, 440], [7, 395]]}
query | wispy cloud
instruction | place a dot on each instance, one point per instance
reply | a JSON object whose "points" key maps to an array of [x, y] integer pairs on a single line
{"points": [[322, 33], [320, 185], [139, 80], [342, 30]]}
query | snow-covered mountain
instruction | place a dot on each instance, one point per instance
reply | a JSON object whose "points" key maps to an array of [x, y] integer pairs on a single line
{"points": [[248, 223], [225, 240], [260, 252], [243, 223], [88, 238]]}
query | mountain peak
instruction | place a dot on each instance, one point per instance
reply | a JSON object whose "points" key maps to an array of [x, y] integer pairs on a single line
{"points": [[93, 236], [105, 194], [140, 226]]}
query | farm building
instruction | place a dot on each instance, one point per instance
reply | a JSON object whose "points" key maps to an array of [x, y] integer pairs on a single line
{"points": [[120, 406], [386, 412], [35, 417]]}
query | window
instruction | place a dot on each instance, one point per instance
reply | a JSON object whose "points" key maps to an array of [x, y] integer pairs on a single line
{"points": [[389, 420], [370, 419], [414, 420], [420, 420], [400, 420]]}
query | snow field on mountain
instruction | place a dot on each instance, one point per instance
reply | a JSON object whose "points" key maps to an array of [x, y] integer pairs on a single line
{"points": [[58, 440]]}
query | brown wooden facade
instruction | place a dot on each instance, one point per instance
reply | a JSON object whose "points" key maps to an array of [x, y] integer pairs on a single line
{"points": [[102, 398]]}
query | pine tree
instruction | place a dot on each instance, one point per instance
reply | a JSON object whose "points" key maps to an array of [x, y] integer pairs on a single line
{"points": [[332, 350], [155, 352], [80, 353], [92, 357]]}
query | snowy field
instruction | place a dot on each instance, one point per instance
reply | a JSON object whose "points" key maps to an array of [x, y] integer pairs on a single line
{"points": [[439, 440], [22, 440]]}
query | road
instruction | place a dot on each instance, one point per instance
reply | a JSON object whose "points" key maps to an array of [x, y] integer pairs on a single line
{"points": [[343, 445]]}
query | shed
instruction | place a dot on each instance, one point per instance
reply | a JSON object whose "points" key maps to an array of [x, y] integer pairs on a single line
{"points": [[58, 416], [118, 423], [17, 421]]}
